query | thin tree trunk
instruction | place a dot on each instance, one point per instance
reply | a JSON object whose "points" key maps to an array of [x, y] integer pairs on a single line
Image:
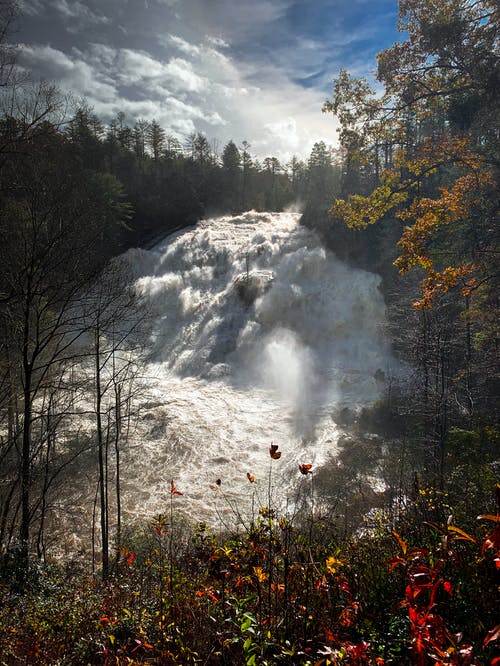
{"points": [[101, 458], [24, 533], [468, 358], [118, 428]]}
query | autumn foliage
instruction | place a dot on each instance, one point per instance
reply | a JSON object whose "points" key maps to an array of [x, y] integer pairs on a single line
{"points": [[283, 590], [430, 143]]}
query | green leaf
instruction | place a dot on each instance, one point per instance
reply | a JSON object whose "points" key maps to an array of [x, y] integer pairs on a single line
{"points": [[245, 625]]}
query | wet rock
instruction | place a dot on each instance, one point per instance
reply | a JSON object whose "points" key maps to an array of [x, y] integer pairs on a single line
{"points": [[345, 417], [250, 286]]}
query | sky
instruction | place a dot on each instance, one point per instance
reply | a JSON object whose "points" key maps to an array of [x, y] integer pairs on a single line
{"points": [[254, 70]]}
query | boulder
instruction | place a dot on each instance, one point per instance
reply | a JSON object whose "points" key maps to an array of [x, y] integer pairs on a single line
{"points": [[253, 284]]}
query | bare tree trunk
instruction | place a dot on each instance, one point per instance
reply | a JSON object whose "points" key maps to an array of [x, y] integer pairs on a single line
{"points": [[101, 458], [118, 429], [468, 358], [24, 532], [94, 511], [51, 436]]}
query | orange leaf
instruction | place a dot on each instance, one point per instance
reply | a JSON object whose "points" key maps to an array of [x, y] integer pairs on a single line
{"points": [[250, 477], [462, 536], [400, 541], [305, 468], [489, 516]]}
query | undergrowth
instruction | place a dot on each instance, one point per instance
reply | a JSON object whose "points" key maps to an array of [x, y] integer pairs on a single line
{"points": [[285, 589]]}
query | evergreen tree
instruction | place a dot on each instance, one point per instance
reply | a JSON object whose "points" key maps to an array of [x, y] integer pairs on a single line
{"points": [[155, 139], [231, 166]]}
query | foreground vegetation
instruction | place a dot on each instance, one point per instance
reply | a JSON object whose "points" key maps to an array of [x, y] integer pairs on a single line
{"points": [[398, 572], [285, 589]]}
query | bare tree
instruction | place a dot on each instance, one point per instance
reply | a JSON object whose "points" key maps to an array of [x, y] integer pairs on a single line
{"points": [[8, 12], [116, 351], [55, 219]]}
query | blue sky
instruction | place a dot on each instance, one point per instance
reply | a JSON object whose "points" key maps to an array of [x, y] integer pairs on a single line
{"points": [[255, 70]]}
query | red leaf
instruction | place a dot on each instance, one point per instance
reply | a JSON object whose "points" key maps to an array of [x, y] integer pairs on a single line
{"points": [[273, 452], [130, 558], [492, 540], [330, 636], [492, 635], [173, 489], [394, 561], [448, 587]]}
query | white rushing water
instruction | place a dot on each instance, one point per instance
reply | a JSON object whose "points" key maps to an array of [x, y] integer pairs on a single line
{"points": [[230, 375]]}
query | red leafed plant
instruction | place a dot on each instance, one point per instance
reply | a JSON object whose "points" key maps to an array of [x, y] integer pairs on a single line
{"points": [[492, 541], [425, 584], [427, 587]]}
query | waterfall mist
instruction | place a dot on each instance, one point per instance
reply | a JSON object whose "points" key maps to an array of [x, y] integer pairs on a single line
{"points": [[259, 335]]}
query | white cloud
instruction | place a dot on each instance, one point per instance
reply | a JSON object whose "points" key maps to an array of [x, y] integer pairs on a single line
{"points": [[31, 7], [77, 15], [182, 76], [71, 73], [197, 84], [218, 42], [179, 43]]}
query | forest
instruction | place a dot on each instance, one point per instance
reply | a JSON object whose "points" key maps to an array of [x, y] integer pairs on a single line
{"points": [[403, 571]]}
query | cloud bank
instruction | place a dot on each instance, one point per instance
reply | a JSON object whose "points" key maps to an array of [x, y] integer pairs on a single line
{"points": [[255, 71]]}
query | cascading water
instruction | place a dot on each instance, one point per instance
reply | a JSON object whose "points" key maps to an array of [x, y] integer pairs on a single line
{"points": [[259, 335]]}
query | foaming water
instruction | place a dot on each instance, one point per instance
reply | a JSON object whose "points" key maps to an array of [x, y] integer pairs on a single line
{"points": [[259, 334]]}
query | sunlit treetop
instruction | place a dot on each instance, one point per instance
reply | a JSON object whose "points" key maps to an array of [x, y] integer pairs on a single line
{"points": [[432, 138]]}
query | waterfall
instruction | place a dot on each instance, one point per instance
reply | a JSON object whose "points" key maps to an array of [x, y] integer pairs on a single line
{"points": [[259, 335]]}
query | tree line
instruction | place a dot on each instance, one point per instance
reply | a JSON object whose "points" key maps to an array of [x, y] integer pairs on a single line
{"points": [[171, 183]]}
